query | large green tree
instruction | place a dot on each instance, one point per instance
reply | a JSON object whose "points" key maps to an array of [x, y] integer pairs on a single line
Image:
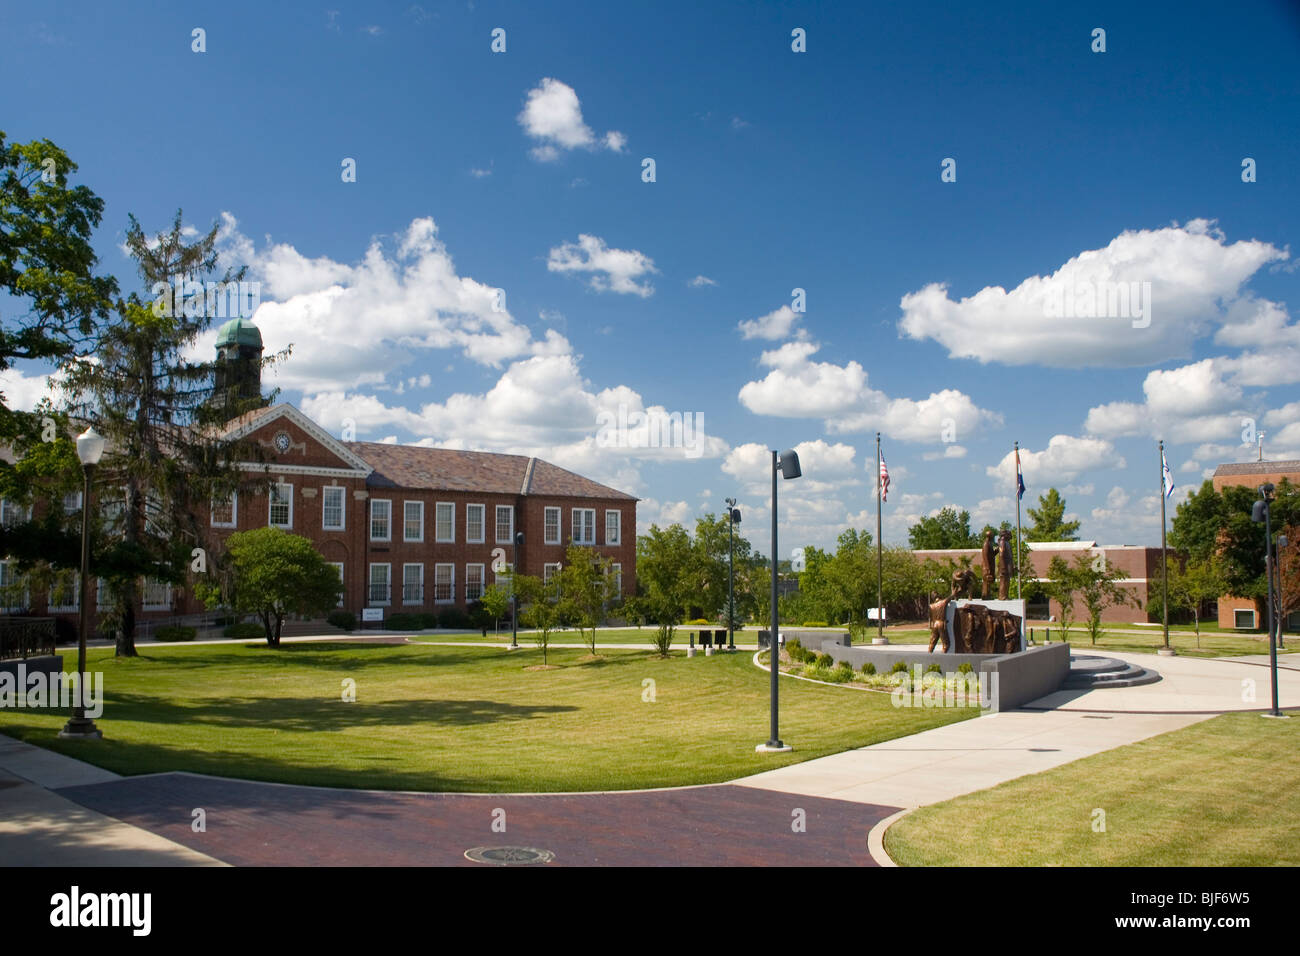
{"points": [[274, 574], [586, 587], [1049, 522], [949, 528], [668, 579]]}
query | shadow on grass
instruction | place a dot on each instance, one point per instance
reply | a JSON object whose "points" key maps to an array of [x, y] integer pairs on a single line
{"points": [[336, 656]]}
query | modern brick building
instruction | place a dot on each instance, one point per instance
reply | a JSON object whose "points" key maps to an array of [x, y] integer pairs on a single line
{"points": [[1239, 612]]}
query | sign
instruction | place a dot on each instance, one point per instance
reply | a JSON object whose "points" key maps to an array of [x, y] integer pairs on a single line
{"points": [[372, 614], [876, 614]]}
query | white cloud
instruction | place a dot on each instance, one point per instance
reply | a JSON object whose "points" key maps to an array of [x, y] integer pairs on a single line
{"points": [[773, 326], [1063, 460], [700, 281], [949, 451], [612, 270], [553, 116], [1193, 272], [1190, 403]]}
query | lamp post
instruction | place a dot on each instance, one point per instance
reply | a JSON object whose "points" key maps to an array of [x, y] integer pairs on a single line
{"points": [[1260, 513], [90, 448], [788, 462], [733, 519], [514, 593]]}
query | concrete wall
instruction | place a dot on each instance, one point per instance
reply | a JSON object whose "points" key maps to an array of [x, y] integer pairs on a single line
{"points": [[47, 664], [809, 639]]}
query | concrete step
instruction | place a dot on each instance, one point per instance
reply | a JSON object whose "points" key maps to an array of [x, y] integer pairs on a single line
{"points": [[1088, 672]]}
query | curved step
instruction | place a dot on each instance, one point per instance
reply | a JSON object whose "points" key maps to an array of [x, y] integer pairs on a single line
{"points": [[1089, 672]]}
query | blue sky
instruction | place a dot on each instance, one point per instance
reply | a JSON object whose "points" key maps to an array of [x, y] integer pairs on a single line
{"points": [[774, 170]]}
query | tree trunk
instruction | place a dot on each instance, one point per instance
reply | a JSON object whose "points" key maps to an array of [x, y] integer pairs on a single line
{"points": [[125, 643]]}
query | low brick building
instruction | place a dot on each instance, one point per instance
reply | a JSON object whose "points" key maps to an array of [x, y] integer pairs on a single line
{"points": [[1239, 612]]}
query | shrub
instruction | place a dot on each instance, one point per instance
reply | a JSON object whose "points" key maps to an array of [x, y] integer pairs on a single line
{"points": [[411, 621], [814, 624], [934, 669], [698, 622], [899, 667], [965, 668], [868, 668], [343, 620], [847, 668], [179, 632], [245, 631], [453, 617], [825, 660]]}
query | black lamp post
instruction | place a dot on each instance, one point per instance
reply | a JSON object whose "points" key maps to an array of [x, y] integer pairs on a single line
{"points": [[1260, 513], [514, 594], [788, 463], [90, 448], [733, 519]]}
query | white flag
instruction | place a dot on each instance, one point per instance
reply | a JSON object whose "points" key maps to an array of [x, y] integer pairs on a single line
{"points": [[1168, 478]]}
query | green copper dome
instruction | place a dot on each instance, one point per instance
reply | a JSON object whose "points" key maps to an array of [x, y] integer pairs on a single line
{"points": [[239, 332]]}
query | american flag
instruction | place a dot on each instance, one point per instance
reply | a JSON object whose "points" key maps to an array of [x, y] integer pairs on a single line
{"points": [[884, 480]]}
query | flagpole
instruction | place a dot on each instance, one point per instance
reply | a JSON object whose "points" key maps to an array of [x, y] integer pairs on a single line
{"points": [[1018, 555], [1164, 557], [880, 586]]}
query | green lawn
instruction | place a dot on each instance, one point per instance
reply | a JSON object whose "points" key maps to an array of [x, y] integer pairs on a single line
{"points": [[459, 719], [1219, 793], [1212, 644]]}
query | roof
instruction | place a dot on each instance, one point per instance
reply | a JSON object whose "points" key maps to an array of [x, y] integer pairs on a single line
{"points": [[1257, 468], [239, 331], [448, 469]]}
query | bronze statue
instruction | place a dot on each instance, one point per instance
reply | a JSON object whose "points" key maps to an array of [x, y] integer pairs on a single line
{"points": [[976, 629], [963, 582], [987, 553], [1006, 566]]}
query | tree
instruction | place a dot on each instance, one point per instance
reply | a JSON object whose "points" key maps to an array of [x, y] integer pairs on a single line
{"points": [[541, 609], [1049, 520], [496, 601], [166, 459], [275, 573], [666, 570], [1192, 583], [1095, 581], [586, 585], [1061, 587], [1289, 568], [939, 532]]}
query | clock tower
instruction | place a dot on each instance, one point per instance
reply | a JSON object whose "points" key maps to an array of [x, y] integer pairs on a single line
{"points": [[239, 367]]}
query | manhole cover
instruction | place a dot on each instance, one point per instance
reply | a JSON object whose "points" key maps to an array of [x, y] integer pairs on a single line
{"points": [[509, 855]]}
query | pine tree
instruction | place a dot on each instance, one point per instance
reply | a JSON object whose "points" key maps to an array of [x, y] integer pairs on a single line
{"points": [[1048, 518]]}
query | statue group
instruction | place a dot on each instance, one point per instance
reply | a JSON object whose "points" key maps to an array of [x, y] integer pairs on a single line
{"points": [[977, 629]]}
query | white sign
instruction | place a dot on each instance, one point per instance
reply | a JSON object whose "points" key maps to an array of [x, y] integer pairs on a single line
{"points": [[876, 614], [372, 614]]}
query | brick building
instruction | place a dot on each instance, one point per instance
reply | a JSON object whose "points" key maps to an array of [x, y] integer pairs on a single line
{"points": [[410, 528], [1239, 612], [1140, 565]]}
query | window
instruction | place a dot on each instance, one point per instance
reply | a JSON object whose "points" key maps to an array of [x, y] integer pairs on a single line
{"points": [[112, 509], [501, 573], [65, 592], [584, 525], [380, 584], [413, 521], [103, 594], [444, 583], [613, 526], [1243, 617], [549, 571], [475, 519], [13, 589], [281, 505], [473, 582], [413, 584], [381, 512], [331, 508], [505, 524], [617, 570], [225, 513], [72, 502], [155, 595], [552, 526], [11, 513], [338, 566], [446, 522]]}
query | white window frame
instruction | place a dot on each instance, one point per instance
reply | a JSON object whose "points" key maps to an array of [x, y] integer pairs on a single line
{"points": [[388, 521], [419, 522], [387, 582], [145, 604], [616, 569], [75, 508], [509, 537], [482, 524], [504, 575], [19, 515], [419, 600], [234, 513], [339, 566], [343, 507], [546, 526], [451, 569], [618, 526], [270, 504], [469, 582], [549, 570], [101, 594], [1254, 618], [573, 524], [438, 536]]}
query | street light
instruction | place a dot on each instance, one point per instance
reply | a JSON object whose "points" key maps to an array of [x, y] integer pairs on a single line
{"points": [[1260, 514], [788, 463], [733, 519], [90, 448], [514, 593]]}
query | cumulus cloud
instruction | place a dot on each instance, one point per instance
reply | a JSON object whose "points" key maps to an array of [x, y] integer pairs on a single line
{"points": [[700, 281], [1064, 459], [1195, 278], [773, 326], [611, 270], [552, 115], [1185, 404]]}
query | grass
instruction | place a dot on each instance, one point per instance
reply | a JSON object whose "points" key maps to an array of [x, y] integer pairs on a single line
{"points": [[1212, 644], [458, 718], [1219, 793]]}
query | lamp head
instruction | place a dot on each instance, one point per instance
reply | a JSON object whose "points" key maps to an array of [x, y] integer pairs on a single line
{"points": [[790, 465], [1257, 511], [90, 446], [519, 539], [735, 516]]}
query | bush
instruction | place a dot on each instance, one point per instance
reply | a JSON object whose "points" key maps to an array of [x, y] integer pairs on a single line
{"points": [[343, 620], [698, 622], [899, 667], [245, 631], [814, 624], [868, 668], [965, 668], [411, 621], [847, 668], [934, 669], [825, 660], [454, 617], [179, 632]]}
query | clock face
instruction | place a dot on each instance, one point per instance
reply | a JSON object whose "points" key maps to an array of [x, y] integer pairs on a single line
{"points": [[282, 442]]}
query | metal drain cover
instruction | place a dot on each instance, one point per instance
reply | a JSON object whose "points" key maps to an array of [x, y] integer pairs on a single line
{"points": [[509, 855]]}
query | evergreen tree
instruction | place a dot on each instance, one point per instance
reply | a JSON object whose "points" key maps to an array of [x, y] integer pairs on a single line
{"points": [[1049, 520]]}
